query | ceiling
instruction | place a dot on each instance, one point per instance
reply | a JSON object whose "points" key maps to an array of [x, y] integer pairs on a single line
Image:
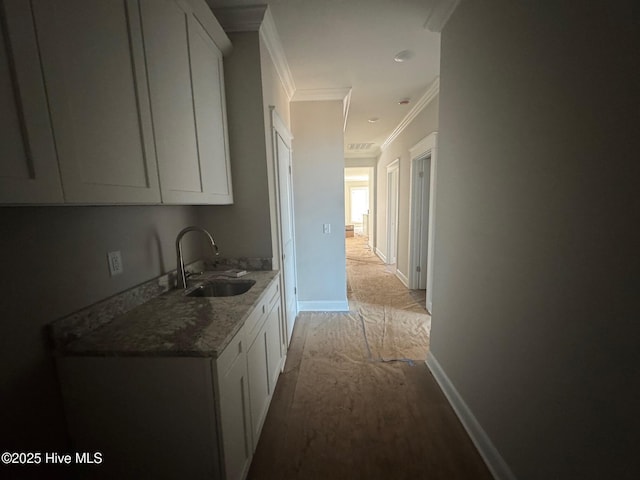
{"points": [[338, 44]]}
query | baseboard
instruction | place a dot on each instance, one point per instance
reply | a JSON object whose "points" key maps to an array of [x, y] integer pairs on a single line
{"points": [[401, 276], [498, 467], [323, 306], [381, 255]]}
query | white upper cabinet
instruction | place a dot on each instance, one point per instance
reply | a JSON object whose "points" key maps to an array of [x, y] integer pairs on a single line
{"points": [[93, 63], [211, 115], [187, 100], [112, 102], [28, 165]]}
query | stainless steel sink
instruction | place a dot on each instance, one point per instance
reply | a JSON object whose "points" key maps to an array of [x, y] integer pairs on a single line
{"points": [[221, 288]]}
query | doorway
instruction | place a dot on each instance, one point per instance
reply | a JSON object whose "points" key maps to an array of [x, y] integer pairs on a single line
{"points": [[359, 202]]}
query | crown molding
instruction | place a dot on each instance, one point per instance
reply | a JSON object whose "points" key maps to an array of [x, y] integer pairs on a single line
{"points": [[269, 35], [321, 94], [258, 18], [440, 15], [420, 105], [346, 103], [240, 19]]}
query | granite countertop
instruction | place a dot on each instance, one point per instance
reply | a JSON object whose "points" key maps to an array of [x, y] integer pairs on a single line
{"points": [[174, 325]]}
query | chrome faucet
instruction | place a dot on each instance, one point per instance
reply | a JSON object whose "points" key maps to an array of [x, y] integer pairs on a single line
{"points": [[182, 276]]}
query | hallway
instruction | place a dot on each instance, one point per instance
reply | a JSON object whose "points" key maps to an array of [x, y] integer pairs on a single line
{"points": [[356, 400]]}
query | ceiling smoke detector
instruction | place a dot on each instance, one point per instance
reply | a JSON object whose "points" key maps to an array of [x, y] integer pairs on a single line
{"points": [[403, 56], [373, 120], [404, 101]]}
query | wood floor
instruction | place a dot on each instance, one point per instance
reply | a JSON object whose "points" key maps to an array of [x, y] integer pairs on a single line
{"points": [[340, 413]]}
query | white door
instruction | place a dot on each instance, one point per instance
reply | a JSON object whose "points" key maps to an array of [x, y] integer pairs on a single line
{"points": [[282, 139], [392, 212], [419, 221]]}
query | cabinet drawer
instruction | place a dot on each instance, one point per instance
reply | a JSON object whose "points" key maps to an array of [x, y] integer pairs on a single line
{"points": [[274, 295], [259, 314], [231, 352]]}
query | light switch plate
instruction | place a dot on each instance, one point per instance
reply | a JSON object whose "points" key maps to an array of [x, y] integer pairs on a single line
{"points": [[326, 228], [115, 263]]}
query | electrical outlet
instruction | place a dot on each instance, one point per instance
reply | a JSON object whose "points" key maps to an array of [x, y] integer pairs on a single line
{"points": [[115, 263], [326, 228]]}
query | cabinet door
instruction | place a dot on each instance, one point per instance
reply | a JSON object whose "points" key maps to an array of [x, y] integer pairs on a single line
{"points": [[93, 62], [28, 164], [274, 345], [211, 117], [188, 112], [234, 415], [258, 383]]}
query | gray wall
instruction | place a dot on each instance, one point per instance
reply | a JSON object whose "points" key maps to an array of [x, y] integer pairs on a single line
{"points": [[244, 229], [274, 94], [425, 123], [536, 258], [318, 184], [54, 263]]}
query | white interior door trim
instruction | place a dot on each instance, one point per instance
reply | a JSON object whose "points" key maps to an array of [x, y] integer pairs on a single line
{"points": [[393, 183], [288, 277], [425, 147]]}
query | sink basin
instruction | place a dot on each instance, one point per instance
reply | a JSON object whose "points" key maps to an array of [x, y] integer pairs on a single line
{"points": [[222, 288]]}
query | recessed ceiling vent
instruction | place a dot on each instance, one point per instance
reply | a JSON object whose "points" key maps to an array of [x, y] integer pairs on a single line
{"points": [[359, 146]]}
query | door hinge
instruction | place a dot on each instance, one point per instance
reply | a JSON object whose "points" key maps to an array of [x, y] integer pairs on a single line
{"points": [[418, 269], [289, 168], [421, 174], [295, 290]]}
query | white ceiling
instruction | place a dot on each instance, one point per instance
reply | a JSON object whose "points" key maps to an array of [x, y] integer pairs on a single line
{"points": [[331, 44]]}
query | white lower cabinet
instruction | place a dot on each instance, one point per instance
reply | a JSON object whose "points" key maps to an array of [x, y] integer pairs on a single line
{"points": [[175, 417], [235, 418], [148, 417], [264, 360]]}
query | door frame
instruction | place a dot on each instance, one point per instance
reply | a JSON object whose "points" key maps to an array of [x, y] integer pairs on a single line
{"points": [[371, 165], [279, 128], [426, 147], [393, 210]]}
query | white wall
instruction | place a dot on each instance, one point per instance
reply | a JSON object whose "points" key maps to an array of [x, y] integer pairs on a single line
{"points": [[273, 93], [535, 318], [422, 125], [248, 227], [244, 228], [318, 183]]}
